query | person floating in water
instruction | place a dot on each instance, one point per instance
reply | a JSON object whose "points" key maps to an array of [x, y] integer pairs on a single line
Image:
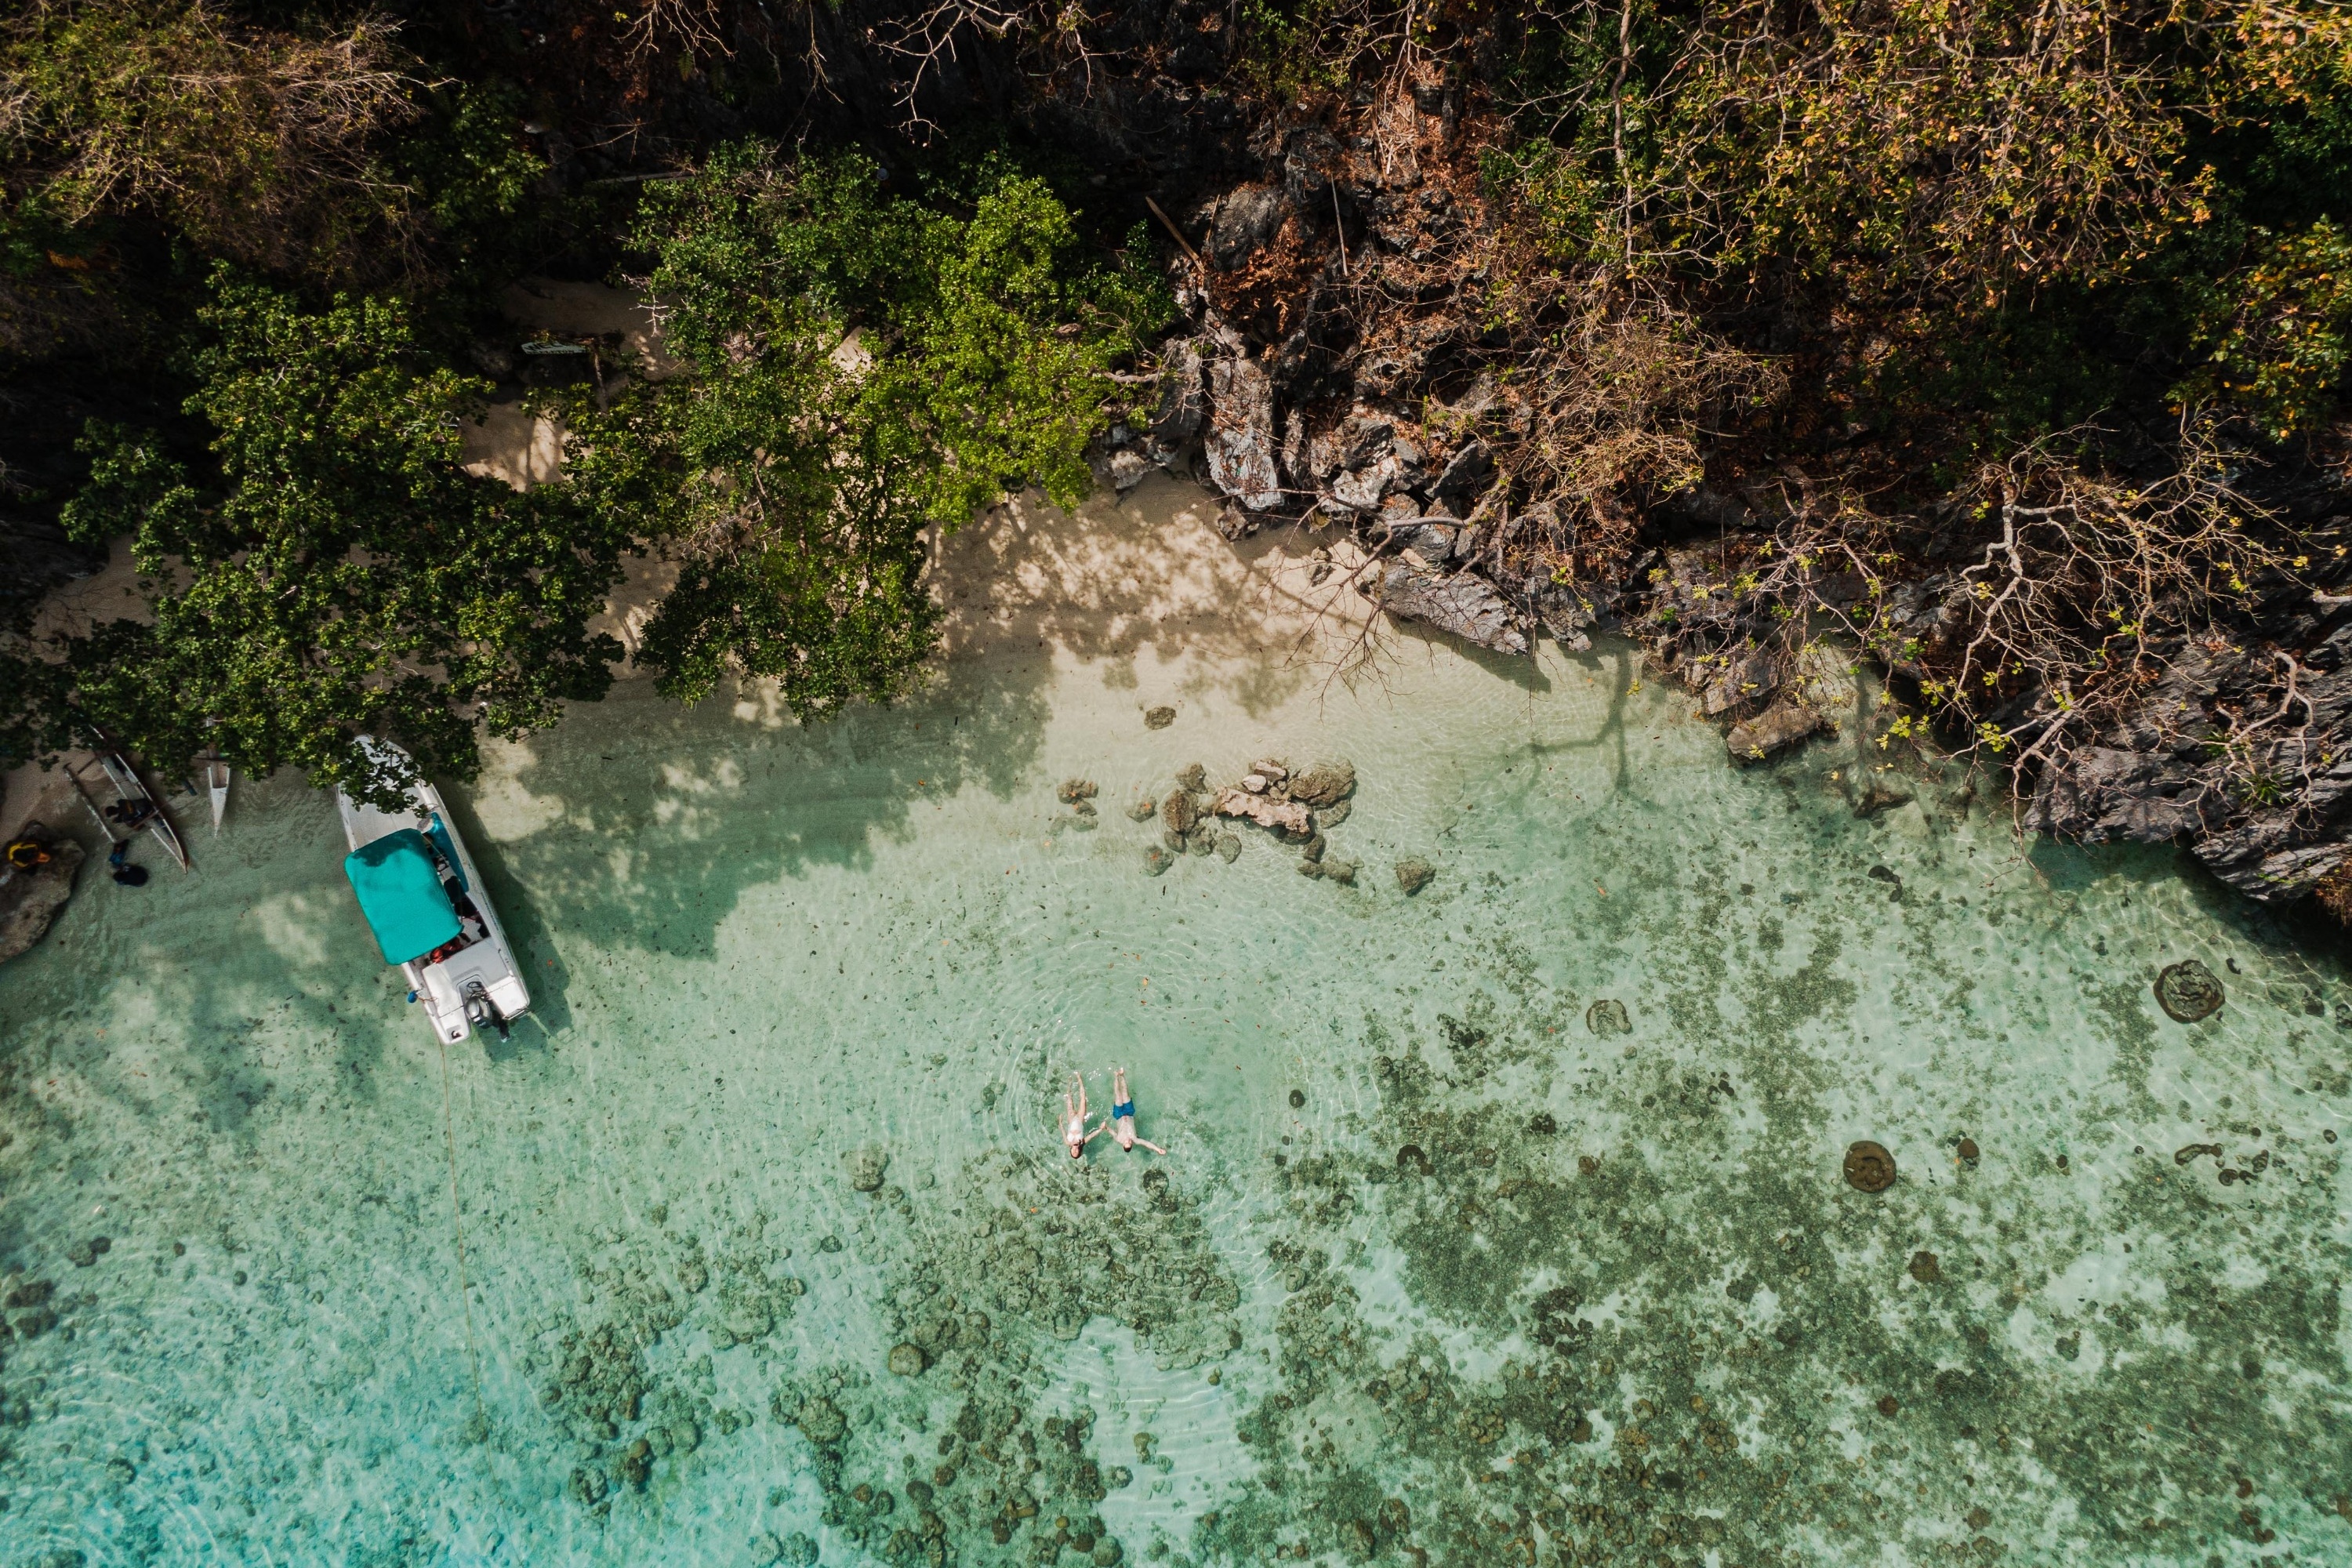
{"points": [[1122, 1116], [1073, 1119]]}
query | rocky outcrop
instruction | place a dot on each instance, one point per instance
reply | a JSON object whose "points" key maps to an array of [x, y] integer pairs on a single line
{"points": [[1282, 816], [1390, 422], [31, 901]]}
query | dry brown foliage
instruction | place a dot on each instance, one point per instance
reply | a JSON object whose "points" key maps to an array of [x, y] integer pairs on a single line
{"points": [[260, 144]]}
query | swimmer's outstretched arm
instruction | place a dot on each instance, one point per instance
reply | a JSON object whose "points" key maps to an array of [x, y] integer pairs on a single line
{"points": [[1100, 1128], [1147, 1143]]}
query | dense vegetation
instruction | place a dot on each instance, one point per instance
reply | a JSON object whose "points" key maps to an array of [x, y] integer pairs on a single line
{"points": [[1888, 248]]}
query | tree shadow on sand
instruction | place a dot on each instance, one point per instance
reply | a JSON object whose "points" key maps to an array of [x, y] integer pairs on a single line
{"points": [[656, 819]]}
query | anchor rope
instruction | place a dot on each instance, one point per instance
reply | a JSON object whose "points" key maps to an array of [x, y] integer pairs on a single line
{"points": [[457, 1229]]}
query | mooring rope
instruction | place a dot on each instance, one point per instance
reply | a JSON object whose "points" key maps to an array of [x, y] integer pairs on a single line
{"points": [[457, 1227]]}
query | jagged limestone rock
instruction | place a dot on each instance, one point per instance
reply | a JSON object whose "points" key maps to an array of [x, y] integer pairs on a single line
{"points": [[1240, 441], [1463, 605]]}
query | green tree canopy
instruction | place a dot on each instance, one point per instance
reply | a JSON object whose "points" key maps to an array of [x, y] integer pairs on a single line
{"points": [[333, 571], [861, 365]]}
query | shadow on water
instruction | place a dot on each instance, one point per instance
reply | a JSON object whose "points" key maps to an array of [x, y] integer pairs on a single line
{"points": [[2300, 936], [527, 934], [676, 813]]}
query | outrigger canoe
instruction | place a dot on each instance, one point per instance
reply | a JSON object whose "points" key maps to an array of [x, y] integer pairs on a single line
{"points": [[430, 914], [130, 792]]}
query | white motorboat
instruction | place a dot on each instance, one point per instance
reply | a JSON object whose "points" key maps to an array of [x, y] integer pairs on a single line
{"points": [[430, 914]]}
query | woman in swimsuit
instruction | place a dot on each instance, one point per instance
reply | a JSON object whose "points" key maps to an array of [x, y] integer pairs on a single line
{"points": [[1122, 1116], [1073, 1119]]}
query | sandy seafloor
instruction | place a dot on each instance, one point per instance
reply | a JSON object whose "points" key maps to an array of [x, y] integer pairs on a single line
{"points": [[1434, 1273]]}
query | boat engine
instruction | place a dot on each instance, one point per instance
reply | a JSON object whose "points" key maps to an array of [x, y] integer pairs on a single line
{"points": [[480, 1010]]}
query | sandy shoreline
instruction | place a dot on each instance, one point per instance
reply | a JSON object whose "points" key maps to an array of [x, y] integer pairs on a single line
{"points": [[1139, 580]]}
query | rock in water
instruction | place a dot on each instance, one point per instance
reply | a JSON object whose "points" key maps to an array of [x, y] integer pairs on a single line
{"points": [[1784, 723], [1414, 875], [1179, 812], [1076, 790], [1869, 1168], [1283, 815], [1325, 784], [1240, 441], [1340, 871], [31, 901], [1142, 810], [866, 1168], [1194, 777], [908, 1360], [1332, 816], [1606, 1017], [1229, 845], [1156, 860], [1158, 717], [2188, 991], [1464, 604], [1927, 1268]]}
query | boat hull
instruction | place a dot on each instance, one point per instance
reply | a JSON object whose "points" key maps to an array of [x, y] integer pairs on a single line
{"points": [[483, 970]]}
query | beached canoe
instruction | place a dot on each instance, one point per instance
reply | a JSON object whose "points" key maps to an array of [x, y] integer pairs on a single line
{"points": [[128, 790]]}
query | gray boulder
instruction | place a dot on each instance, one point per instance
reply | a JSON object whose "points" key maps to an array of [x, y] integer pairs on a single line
{"points": [[1128, 468], [1363, 489], [1464, 478], [1325, 784], [1466, 606], [1240, 441], [1246, 220]]}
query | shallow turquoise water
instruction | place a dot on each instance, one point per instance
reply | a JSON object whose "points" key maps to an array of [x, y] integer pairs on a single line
{"points": [[1664, 1329]]}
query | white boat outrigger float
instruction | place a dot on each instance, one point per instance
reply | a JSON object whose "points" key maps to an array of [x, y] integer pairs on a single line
{"points": [[430, 914]]}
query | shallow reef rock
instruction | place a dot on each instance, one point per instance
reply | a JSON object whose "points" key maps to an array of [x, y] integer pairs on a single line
{"points": [[30, 902], [1414, 874], [1325, 784], [1869, 1168], [1467, 606], [866, 1168], [2189, 992]]}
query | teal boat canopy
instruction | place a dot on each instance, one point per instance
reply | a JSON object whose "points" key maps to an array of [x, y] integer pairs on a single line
{"points": [[401, 894]]}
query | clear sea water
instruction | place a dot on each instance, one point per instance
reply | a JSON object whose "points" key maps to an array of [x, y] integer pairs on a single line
{"points": [[1439, 1269]]}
